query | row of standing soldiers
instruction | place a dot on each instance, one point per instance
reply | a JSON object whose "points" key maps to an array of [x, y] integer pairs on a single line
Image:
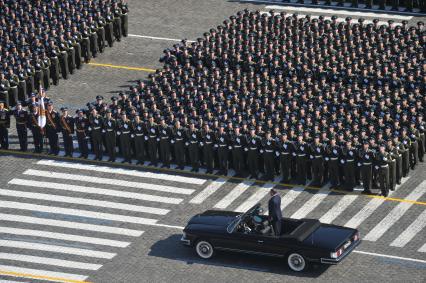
{"points": [[295, 157], [408, 4]]}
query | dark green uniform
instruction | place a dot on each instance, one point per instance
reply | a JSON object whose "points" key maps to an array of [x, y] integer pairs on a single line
{"points": [[253, 144], [332, 157], [268, 150], [165, 137], [301, 150], [192, 140], [81, 127], [67, 128], [152, 138], [21, 117], [366, 159], [124, 131], [95, 128], [109, 129], [316, 154], [36, 131], [178, 141], [286, 149], [349, 163], [207, 144], [52, 129], [222, 144], [4, 128], [381, 165], [238, 143]]}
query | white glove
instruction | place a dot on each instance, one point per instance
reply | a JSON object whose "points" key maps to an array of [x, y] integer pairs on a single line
{"points": [[294, 154], [90, 128], [377, 167], [261, 151], [230, 147], [158, 139], [118, 133], [359, 164], [187, 143], [311, 156], [201, 143], [172, 141], [342, 161], [216, 146], [146, 138], [245, 149], [132, 135], [327, 159], [103, 131], [277, 153]]}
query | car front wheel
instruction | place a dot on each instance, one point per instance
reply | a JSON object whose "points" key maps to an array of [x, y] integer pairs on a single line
{"points": [[296, 262], [204, 249]]}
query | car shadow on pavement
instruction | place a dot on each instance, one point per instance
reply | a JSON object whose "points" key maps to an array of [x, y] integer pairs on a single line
{"points": [[172, 249]]}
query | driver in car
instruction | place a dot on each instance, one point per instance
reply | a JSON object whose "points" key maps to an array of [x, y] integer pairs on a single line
{"points": [[274, 211]]}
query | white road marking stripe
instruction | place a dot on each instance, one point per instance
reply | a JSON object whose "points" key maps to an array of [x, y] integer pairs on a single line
{"points": [[11, 281], [76, 212], [290, 196], [340, 20], [415, 227], [396, 213], [94, 190], [422, 249], [158, 38], [71, 225], [339, 12], [108, 181], [42, 273], [364, 213], [257, 196], [122, 171], [390, 256], [234, 194], [50, 261], [55, 249], [208, 191], [65, 237], [84, 201], [338, 208], [312, 203]]}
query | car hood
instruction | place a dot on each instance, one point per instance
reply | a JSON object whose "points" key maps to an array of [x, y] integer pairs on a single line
{"points": [[214, 218], [329, 237]]}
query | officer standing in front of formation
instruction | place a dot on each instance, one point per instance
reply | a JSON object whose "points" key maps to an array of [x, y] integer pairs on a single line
{"points": [[238, 143], [109, 129], [366, 158], [252, 149], [178, 142], [286, 150], [52, 128], [392, 155], [333, 153], [67, 127], [124, 128], [381, 164], [165, 137], [191, 141], [95, 129], [36, 131], [21, 117], [349, 162], [316, 151], [222, 144], [301, 149], [82, 129], [207, 144], [152, 137], [139, 140], [4, 126], [268, 150]]}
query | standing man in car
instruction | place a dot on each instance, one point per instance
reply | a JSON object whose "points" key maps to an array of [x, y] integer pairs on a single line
{"points": [[274, 211]]}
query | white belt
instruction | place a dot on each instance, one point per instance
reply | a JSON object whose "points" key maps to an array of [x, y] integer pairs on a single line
{"points": [[268, 150], [164, 138], [318, 156], [194, 142], [110, 130], [152, 136], [125, 133], [384, 166], [366, 163], [253, 148], [208, 142], [301, 155], [96, 128], [138, 135], [334, 158], [222, 145]]}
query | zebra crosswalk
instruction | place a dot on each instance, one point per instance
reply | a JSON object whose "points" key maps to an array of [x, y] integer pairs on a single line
{"points": [[66, 220]]}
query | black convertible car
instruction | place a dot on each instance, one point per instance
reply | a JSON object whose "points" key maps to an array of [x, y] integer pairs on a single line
{"points": [[301, 241]]}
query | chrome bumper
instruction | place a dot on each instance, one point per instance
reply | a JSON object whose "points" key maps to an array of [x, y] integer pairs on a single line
{"points": [[185, 241], [342, 256]]}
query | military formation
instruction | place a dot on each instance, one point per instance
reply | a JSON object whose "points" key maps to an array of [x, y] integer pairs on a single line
{"points": [[272, 95], [408, 5], [44, 41]]}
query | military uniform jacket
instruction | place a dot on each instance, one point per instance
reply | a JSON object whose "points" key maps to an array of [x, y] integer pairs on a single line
{"points": [[253, 143], [4, 85], [301, 149], [238, 141], [366, 157], [124, 127], [165, 132], [81, 126], [178, 135], [109, 125], [21, 117], [286, 148], [32, 121], [4, 118], [138, 130], [349, 155], [268, 145], [152, 130], [192, 137], [52, 121], [67, 125], [222, 140], [316, 151], [381, 160], [95, 123], [333, 153], [208, 139]]}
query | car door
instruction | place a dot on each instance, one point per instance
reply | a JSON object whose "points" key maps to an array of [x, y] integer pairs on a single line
{"points": [[276, 245]]}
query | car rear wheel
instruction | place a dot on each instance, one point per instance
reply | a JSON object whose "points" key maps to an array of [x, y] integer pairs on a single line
{"points": [[204, 249], [296, 262]]}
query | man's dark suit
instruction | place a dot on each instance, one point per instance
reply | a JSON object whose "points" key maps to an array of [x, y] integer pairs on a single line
{"points": [[274, 207]]}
